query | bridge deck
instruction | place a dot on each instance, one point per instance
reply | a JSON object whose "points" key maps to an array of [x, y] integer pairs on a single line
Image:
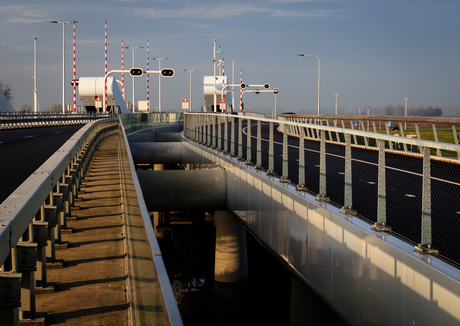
{"points": [[91, 286]]}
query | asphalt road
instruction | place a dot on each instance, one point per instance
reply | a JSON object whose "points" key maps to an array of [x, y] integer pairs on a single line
{"points": [[23, 151], [403, 185]]}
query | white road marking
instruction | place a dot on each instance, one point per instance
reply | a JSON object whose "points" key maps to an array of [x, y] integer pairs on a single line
{"points": [[371, 182], [410, 196]]}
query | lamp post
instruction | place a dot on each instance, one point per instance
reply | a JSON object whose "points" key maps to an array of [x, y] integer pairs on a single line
{"points": [[405, 111], [159, 81], [276, 93], [319, 73], [63, 58], [336, 94], [190, 100], [133, 48]]}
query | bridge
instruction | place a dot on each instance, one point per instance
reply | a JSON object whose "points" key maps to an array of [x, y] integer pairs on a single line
{"points": [[365, 220]]}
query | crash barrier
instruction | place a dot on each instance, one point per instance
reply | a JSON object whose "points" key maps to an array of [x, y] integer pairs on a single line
{"points": [[384, 195], [11, 121], [34, 215]]}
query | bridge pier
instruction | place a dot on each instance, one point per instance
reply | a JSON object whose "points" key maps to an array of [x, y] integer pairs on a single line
{"points": [[231, 262]]}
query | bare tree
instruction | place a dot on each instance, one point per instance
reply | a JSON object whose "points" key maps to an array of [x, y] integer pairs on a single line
{"points": [[26, 108], [56, 108], [7, 91]]}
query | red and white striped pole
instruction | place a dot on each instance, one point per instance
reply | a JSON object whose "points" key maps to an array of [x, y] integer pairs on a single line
{"points": [[148, 98], [241, 92], [74, 73], [122, 74], [105, 71], [223, 73]]}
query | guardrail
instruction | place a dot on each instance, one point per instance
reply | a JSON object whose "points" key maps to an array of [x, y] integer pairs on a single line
{"points": [[32, 217], [391, 125], [207, 129], [9, 120], [148, 281]]}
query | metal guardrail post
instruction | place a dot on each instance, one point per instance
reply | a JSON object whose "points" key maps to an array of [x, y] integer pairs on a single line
{"points": [[232, 139], [240, 139], [10, 292], [402, 135], [225, 134], [208, 131], [271, 165], [214, 131], [322, 170], [425, 247], [436, 139], [219, 133], [301, 186], [390, 143], [454, 131], [347, 207], [248, 143], [259, 146], [285, 172], [26, 255], [381, 226]]}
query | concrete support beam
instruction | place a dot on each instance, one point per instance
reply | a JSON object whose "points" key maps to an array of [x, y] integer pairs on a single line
{"points": [[156, 153], [184, 190], [231, 264]]}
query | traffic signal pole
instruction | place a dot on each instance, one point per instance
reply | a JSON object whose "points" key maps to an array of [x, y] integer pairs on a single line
{"points": [[135, 72]]}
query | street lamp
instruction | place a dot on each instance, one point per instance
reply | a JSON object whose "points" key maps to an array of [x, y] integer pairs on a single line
{"points": [[133, 48], [276, 92], [405, 111], [159, 81], [63, 58], [319, 73], [190, 100], [336, 94]]}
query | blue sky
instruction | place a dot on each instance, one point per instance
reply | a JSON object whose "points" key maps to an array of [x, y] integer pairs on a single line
{"points": [[373, 52]]}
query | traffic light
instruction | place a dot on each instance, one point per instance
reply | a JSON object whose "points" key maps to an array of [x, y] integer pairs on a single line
{"points": [[136, 72], [167, 72], [266, 86], [243, 85]]}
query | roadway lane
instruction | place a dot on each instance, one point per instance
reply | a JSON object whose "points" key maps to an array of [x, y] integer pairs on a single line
{"points": [[403, 184], [23, 151]]}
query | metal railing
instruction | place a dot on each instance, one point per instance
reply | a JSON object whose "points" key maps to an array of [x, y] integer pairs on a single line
{"points": [[32, 217], [207, 129], [19, 120]]}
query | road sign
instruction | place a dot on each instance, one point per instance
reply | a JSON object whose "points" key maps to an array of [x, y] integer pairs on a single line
{"points": [[136, 72], [185, 103], [223, 104], [98, 103]]}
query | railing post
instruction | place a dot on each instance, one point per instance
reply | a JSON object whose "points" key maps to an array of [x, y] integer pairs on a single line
{"points": [[425, 247], [232, 138], [208, 131], [240, 139], [248, 144], [301, 186], [259, 146], [381, 192], [213, 129], [219, 133], [285, 172], [226, 134], [322, 170], [271, 165], [347, 207]]}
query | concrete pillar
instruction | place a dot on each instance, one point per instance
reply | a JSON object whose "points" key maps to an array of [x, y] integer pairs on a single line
{"points": [[231, 263]]}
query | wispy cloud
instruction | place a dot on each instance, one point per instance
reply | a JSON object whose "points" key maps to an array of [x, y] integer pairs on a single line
{"points": [[227, 10], [22, 14]]}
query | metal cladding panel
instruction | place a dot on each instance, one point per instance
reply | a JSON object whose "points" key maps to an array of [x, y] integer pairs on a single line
{"points": [[384, 264], [298, 241], [267, 213], [348, 252], [319, 250], [255, 187], [89, 88], [244, 195], [281, 221]]}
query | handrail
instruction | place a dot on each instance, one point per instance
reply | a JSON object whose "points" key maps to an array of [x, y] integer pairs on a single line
{"points": [[206, 128]]}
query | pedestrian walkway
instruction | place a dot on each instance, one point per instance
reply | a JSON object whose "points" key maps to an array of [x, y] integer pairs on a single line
{"points": [[91, 286]]}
